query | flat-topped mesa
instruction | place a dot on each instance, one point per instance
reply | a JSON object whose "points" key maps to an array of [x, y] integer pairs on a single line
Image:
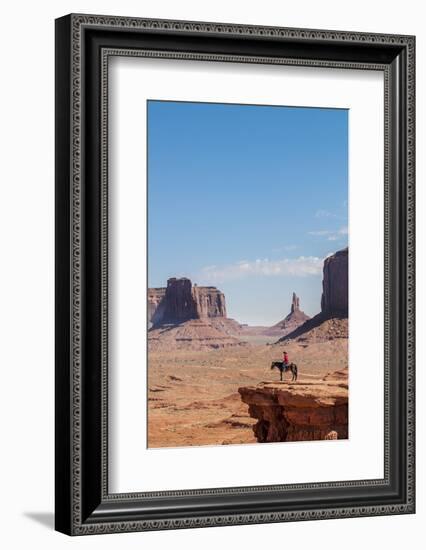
{"points": [[299, 411], [181, 301]]}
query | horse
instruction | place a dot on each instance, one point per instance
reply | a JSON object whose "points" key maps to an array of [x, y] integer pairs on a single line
{"points": [[284, 368]]}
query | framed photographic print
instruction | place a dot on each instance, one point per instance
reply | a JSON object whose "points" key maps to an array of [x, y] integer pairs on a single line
{"points": [[234, 274]]}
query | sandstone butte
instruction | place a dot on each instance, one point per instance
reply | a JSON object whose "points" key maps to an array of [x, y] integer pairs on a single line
{"points": [[182, 301], [186, 316], [302, 411]]}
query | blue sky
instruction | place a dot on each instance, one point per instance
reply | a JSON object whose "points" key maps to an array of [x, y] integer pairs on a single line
{"points": [[247, 198]]}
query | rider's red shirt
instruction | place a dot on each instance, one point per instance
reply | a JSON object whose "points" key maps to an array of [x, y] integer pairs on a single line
{"points": [[285, 358]]}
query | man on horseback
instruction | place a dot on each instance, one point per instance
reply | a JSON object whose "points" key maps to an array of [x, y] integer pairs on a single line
{"points": [[285, 360], [285, 365]]}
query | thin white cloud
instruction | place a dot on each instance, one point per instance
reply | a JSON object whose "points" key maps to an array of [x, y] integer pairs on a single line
{"points": [[331, 235], [325, 214], [341, 213], [295, 267]]}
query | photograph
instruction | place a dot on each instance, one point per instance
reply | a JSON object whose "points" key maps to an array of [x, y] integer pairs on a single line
{"points": [[247, 263]]}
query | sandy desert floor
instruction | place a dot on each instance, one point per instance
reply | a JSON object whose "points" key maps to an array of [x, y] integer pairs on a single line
{"points": [[193, 395]]}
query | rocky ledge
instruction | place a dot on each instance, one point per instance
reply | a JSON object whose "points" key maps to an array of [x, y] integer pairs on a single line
{"points": [[299, 411]]}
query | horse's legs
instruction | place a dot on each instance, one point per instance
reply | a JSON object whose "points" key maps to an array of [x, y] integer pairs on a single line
{"points": [[281, 375]]}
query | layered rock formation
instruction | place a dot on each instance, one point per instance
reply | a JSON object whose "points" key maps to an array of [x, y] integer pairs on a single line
{"points": [[210, 301], [334, 300], [156, 304], [332, 321], [304, 411], [181, 301], [294, 319]]}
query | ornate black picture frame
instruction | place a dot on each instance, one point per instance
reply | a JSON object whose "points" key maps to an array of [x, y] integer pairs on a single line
{"points": [[83, 45]]}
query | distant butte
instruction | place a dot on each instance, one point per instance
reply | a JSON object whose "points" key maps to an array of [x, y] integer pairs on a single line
{"points": [[294, 319], [296, 316], [181, 301], [187, 316]]}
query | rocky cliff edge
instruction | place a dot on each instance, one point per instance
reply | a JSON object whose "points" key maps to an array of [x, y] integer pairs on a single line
{"points": [[299, 411]]}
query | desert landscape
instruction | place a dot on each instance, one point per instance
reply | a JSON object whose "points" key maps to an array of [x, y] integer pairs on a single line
{"points": [[210, 380]]}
